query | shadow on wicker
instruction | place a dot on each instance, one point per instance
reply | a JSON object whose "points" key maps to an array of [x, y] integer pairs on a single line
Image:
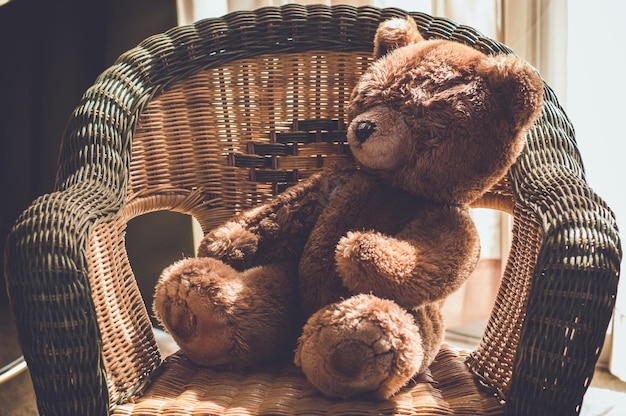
{"points": [[213, 118]]}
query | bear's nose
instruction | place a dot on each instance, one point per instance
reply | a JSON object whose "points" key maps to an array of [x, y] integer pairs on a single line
{"points": [[364, 130]]}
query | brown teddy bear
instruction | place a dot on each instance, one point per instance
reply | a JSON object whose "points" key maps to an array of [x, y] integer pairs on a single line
{"points": [[363, 257]]}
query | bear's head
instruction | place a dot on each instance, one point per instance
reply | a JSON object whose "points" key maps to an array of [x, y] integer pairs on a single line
{"points": [[437, 118]]}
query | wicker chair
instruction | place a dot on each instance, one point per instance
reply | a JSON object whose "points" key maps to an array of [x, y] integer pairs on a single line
{"points": [[218, 116]]}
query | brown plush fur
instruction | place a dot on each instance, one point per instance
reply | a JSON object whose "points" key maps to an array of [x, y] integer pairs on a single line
{"points": [[365, 256]]}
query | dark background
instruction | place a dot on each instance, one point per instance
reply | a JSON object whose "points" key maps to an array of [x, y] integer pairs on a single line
{"points": [[50, 53]]}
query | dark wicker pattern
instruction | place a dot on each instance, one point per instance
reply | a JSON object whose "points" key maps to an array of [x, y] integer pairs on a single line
{"points": [[214, 117]]}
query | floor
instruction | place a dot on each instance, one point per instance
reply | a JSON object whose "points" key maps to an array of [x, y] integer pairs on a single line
{"points": [[605, 397]]}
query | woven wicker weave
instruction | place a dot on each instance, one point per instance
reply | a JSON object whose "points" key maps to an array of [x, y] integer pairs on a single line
{"points": [[215, 117]]}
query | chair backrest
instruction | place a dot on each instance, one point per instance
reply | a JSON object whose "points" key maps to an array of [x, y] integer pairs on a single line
{"points": [[213, 118]]}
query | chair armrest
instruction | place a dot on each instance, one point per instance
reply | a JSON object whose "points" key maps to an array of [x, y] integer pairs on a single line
{"points": [[47, 270], [574, 282], [48, 284]]}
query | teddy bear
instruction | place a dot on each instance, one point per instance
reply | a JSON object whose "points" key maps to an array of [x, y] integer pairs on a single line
{"points": [[350, 267]]}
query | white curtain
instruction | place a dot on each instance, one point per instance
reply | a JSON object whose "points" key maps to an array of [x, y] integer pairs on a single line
{"points": [[595, 105], [557, 37]]}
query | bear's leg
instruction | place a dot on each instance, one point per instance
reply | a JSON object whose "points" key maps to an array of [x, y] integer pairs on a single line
{"points": [[219, 316], [365, 344]]}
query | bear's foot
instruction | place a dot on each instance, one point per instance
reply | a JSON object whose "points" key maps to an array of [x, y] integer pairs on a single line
{"points": [[363, 344], [219, 316], [192, 301]]}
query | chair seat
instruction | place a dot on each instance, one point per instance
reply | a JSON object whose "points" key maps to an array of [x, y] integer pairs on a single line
{"points": [[184, 388]]}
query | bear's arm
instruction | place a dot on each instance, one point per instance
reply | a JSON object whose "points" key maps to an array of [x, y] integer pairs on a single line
{"points": [[276, 230], [425, 262]]}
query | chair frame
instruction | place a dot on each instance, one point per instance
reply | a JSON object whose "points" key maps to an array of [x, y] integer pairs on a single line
{"points": [[558, 291]]}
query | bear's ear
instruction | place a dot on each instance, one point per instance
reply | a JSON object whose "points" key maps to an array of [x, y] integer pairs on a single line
{"points": [[395, 33], [517, 83]]}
